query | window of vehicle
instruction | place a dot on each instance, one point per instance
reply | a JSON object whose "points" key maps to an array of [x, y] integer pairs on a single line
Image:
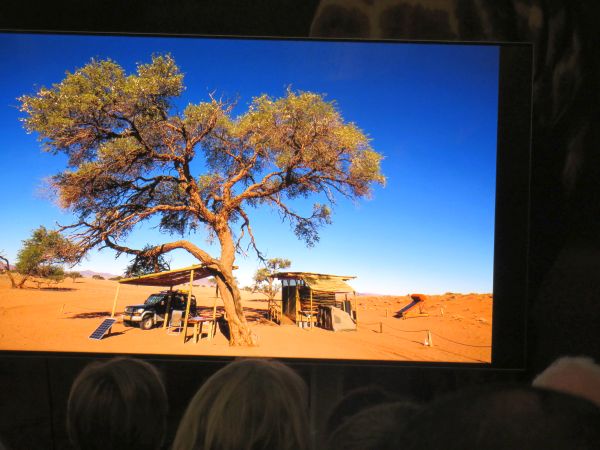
{"points": [[153, 299]]}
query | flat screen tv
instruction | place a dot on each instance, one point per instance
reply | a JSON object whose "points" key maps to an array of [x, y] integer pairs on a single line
{"points": [[368, 200]]}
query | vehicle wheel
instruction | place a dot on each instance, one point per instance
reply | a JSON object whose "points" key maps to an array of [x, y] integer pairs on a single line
{"points": [[146, 323], [127, 323]]}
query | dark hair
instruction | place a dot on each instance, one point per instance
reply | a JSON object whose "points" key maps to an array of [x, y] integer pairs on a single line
{"points": [[372, 428], [355, 401], [117, 404], [503, 417]]}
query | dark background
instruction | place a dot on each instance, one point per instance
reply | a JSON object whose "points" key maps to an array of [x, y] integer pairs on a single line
{"points": [[564, 255]]}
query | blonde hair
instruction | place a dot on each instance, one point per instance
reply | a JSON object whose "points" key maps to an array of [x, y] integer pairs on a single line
{"points": [[574, 375], [120, 403], [249, 404]]}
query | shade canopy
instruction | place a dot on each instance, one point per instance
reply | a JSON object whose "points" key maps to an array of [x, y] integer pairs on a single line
{"points": [[321, 282], [170, 278]]}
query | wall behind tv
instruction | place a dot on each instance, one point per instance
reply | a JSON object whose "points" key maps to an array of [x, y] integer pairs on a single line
{"points": [[565, 243]]}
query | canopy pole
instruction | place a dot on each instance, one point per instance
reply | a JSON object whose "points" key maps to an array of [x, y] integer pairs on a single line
{"points": [[355, 309], [187, 306], [297, 301], [213, 326], [114, 308], [168, 308], [311, 311]]}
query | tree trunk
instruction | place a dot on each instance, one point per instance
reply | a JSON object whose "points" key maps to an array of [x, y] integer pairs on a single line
{"points": [[22, 282], [239, 329], [13, 283]]}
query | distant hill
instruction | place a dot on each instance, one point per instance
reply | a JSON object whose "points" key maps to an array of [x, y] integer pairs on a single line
{"points": [[91, 273]]}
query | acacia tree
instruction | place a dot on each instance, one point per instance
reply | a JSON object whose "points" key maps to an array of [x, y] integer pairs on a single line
{"points": [[263, 280], [42, 256], [133, 158]]}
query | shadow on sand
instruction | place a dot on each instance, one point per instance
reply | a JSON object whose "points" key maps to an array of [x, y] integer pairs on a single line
{"points": [[112, 334], [57, 289], [256, 315], [224, 327], [91, 315]]}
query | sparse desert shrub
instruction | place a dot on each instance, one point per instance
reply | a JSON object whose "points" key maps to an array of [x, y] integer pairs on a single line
{"points": [[73, 275], [98, 277]]}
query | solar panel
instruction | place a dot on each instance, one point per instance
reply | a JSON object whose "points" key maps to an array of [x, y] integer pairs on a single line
{"points": [[102, 329]]}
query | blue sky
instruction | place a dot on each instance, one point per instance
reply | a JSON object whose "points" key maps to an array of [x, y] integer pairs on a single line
{"points": [[430, 109]]}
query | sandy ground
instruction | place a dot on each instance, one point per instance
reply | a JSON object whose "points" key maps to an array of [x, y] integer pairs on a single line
{"points": [[62, 318]]}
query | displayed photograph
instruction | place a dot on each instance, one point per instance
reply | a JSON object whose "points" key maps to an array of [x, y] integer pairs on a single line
{"points": [[220, 197]]}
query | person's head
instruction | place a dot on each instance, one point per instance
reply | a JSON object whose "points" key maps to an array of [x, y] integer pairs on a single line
{"points": [[373, 427], [355, 401], [503, 417], [118, 404], [248, 404], [574, 375]]}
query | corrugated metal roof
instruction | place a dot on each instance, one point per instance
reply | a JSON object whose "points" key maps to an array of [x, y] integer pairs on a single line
{"points": [[327, 284], [320, 281], [282, 275]]}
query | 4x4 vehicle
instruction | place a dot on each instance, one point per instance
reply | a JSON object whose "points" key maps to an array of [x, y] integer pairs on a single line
{"points": [[153, 310]]}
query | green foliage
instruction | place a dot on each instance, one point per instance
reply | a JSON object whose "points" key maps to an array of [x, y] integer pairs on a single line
{"points": [[54, 274], [117, 278], [98, 277], [144, 265], [130, 156], [263, 281], [43, 254]]}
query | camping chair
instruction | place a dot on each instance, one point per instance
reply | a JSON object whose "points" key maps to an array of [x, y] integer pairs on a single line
{"points": [[176, 322]]}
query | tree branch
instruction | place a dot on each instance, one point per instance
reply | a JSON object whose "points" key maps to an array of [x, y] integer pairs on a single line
{"points": [[194, 250], [246, 225]]}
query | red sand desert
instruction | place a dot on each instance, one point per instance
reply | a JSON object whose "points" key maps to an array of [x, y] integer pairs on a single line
{"points": [[62, 318]]}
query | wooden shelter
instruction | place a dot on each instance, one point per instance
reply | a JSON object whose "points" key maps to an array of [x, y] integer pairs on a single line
{"points": [[171, 278], [302, 293]]}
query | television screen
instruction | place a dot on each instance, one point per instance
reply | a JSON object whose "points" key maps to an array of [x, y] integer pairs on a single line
{"points": [[219, 197]]}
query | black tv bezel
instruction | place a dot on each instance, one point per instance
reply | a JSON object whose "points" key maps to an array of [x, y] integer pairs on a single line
{"points": [[512, 212]]}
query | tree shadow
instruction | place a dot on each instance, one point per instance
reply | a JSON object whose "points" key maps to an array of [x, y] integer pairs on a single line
{"points": [[224, 327], [31, 288], [256, 315], [91, 315], [253, 315], [55, 289]]}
